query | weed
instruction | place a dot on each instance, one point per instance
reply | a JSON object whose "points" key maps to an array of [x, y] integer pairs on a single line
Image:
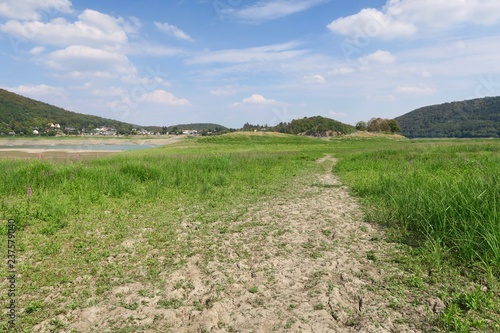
{"points": [[171, 303], [318, 306], [289, 323], [253, 289], [34, 306], [370, 255]]}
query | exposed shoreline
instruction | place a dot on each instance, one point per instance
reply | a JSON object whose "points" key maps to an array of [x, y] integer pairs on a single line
{"points": [[82, 145], [88, 141]]}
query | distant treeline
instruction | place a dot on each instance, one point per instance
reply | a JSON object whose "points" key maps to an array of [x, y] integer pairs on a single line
{"points": [[178, 129], [476, 118], [312, 126]]}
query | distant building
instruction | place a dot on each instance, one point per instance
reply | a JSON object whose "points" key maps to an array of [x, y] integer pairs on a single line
{"points": [[70, 130], [105, 131], [143, 131]]}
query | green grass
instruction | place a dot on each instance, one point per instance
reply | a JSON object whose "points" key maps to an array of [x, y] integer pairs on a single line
{"points": [[109, 221], [445, 194], [442, 199], [80, 214]]}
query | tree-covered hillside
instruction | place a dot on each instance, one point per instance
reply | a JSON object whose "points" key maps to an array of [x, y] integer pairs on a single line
{"points": [[476, 118], [314, 126], [22, 115]]}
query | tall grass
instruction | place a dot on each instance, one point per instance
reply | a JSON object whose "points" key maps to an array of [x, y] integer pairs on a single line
{"points": [[80, 213], [206, 171], [444, 193]]}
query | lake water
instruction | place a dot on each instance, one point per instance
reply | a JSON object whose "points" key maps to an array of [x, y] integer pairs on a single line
{"points": [[81, 147]]}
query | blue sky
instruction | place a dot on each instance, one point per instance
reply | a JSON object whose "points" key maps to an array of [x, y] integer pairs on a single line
{"points": [[159, 62]]}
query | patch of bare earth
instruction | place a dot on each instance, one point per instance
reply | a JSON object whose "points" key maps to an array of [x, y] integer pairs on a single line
{"points": [[302, 263]]}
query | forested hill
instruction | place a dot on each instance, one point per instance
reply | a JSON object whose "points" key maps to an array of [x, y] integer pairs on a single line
{"points": [[314, 126], [476, 118], [21, 114]]}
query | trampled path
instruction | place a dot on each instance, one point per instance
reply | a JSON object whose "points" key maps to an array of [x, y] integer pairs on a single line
{"points": [[308, 263]]}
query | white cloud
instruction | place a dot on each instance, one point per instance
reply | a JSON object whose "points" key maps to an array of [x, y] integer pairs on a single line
{"points": [[173, 31], [257, 99], [270, 10], [403, 18], [92, 29], [38, 90], [37, 50], [264, 53], [81, 61], [415, 90], [164, 97], [32, 9], [372, 23], [315, 79], [380, 57]]}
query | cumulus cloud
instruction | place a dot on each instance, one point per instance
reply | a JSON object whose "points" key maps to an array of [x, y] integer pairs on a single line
{"points": [[83, 61], [164, 97], [256, 99], [269, 10], [172, 30], [403, 18], [92, 29], [379, 57], [32, 9], [372, 23]]}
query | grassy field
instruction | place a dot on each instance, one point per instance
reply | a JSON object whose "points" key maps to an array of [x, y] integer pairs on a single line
{"points": [[78, 214], [440, 198]]}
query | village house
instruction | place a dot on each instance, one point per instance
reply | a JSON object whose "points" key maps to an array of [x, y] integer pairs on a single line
{"points": [[105, 131]]}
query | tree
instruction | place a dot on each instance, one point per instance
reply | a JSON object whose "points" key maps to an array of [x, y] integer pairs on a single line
{"points": [[394, 126], [379, 125], [361, 126]]}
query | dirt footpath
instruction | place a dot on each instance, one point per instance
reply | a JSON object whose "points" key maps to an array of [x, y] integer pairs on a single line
{"points": [[302, 264]]}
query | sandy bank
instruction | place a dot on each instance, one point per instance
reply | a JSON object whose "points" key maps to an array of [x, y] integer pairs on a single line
{"points": [[88, 141]]}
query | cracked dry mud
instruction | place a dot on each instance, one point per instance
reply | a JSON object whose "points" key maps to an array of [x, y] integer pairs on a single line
{"points": [[304, 263]]}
